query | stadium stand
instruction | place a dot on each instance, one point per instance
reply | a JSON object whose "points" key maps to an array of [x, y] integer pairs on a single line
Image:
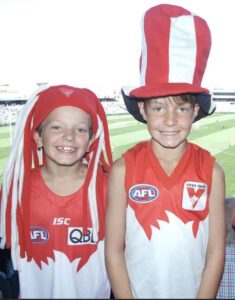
{"points": [[10, 106], [225, 101], [9, 112]]}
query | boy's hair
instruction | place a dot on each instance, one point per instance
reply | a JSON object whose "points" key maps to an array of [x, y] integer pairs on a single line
{"points": [[15, 228], [183, 98]]}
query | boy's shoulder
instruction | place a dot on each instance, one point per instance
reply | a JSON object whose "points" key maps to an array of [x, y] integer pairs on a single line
{"points": [[137, 153], [137, 148], [198, 149], [203, 159]]}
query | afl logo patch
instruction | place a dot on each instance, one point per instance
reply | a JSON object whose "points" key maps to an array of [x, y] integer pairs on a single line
{"points": [[39, 235], [143, 193]]}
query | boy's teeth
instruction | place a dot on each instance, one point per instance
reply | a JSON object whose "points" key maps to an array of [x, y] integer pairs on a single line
{"points": [[66, 148]]}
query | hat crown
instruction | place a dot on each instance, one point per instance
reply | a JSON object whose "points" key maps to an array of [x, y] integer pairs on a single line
{"points": [[175, 46]]}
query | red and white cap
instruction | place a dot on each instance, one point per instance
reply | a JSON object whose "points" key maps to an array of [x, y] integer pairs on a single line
{"points": [[175, 49]]}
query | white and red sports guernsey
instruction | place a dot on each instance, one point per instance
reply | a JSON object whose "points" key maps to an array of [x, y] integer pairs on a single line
{"points": [[66, 263], [166, 222]]}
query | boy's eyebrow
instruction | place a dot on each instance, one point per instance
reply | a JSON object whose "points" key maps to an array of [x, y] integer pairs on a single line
{"points": [[158, 100]]}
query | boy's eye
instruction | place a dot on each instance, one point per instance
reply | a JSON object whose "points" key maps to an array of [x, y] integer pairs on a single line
{"points": [[157, 108], [55, 127], [183, 109], [82, 130]]}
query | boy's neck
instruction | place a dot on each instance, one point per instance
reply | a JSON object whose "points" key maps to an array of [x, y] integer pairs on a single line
{"points": [[169, 154], [64, 183], [169, 157]]}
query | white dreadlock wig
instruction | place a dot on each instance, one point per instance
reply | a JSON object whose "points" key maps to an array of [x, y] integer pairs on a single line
{"points": [[14, 223]]}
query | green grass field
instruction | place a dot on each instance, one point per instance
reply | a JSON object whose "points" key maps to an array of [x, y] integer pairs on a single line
{"points": [[215, 133]]}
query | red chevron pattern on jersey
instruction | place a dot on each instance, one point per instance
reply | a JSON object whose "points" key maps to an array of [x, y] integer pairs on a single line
{"points": [[184, 193], [56, 224]]}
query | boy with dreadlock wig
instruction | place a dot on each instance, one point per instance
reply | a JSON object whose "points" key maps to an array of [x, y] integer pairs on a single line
{"points": [[54, 195]]}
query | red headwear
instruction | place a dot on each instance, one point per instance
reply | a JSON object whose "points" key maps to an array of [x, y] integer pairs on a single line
{"points": [[175, 48]]}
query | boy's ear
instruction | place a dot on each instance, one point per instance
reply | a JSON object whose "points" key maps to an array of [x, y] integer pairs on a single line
{"points": [[196, 110], [37, 139], [142, 110]]}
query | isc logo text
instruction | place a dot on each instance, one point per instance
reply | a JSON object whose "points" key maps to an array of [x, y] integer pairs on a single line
{"points": [[61, 221]]}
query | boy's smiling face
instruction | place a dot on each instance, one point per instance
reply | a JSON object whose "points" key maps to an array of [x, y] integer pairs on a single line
{"points": [[65, 135], [169, 121]]}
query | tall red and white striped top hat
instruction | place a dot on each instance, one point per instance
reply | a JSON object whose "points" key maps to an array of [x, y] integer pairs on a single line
{"points": [[175, 49]]}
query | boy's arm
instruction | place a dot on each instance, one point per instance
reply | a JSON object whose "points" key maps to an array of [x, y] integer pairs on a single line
{"points": [[115, 232], [215, 256]]}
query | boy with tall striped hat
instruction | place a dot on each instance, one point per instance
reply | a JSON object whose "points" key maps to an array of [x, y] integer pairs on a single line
{"points": [[54, 195], [165, 228]]}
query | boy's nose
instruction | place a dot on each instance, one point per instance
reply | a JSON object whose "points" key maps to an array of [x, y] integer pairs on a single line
{"points": [[170, 118], [68, 134]]}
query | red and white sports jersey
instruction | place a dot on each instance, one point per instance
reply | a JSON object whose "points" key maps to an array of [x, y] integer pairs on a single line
{"points": [[66, 262], [166, 222]]}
